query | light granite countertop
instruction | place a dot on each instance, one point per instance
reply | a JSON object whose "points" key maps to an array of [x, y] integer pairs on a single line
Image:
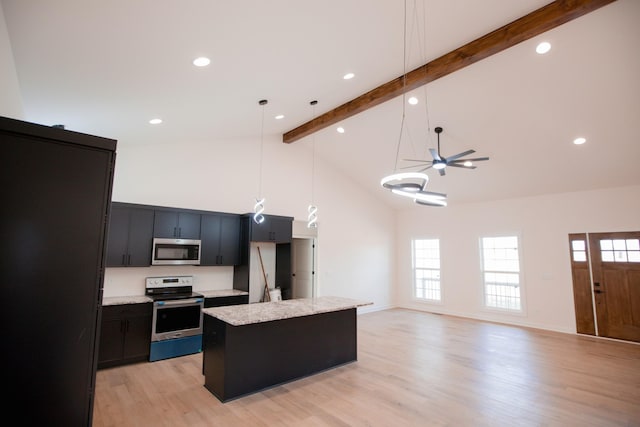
{"points": [[134, 299], [222, 293], [245, 314], [139, 299]]}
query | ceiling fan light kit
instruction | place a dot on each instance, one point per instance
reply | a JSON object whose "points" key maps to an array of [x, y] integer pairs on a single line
{"points": [[440, 162]]}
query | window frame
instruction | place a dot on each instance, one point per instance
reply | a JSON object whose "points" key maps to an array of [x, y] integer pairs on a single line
{"points": [[521, 285]]}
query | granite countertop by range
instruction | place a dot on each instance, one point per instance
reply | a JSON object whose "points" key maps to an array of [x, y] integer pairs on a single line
{"points": [[222, 293], [133, 299], [139, 299], [246, 314]]}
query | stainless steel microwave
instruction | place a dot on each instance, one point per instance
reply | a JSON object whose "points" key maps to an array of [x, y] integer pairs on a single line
{"points": [[175, 252]]}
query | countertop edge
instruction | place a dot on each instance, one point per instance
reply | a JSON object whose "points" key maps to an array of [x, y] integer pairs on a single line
{"points": [[247, 314]]}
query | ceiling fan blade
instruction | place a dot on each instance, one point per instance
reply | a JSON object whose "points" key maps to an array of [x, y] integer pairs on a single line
{"points": [[416, 160], [478, 159], [424, 169], [434, 154], [457, 156], [458, 165]]}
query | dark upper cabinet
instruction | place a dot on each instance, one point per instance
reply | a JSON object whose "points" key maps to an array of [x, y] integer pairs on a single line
{"points": [[220, 234], [275, 228], [176, 224], [130, 236], [125, 334]]}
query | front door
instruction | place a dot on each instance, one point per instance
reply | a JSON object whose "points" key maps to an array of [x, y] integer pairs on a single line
{"points": [[614, 263], [616, 283]]}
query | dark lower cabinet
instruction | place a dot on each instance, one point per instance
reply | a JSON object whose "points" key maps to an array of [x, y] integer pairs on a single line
{"points": [[56, 194], [125, 335]]}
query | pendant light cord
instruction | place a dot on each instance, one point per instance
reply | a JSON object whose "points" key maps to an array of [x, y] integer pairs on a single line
{"points": [[313, 157], [404, 83], [263, 103]]}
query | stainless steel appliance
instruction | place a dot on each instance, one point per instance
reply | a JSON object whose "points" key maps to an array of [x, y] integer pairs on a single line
{"points": [[177, 317], [175, 252]]}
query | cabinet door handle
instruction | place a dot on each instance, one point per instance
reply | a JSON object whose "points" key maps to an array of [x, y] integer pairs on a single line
{"points": [[123, 259], [126, 329], [129, 259]]}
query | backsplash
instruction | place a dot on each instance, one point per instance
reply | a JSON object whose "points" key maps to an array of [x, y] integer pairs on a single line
{"points": [[130, 281]]}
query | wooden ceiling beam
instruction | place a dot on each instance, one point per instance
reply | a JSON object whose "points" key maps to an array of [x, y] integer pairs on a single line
{"points": [[535, 23]]}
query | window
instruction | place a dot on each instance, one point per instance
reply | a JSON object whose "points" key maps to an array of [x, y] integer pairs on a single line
{"points": [[426, 269], [620, 250], [501, 272]]}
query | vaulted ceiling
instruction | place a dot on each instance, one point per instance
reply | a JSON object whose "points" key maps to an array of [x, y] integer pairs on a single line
{"points": [[106, 68]]}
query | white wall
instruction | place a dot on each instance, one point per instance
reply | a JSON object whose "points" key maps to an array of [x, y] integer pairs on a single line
{"points": [[10, 99], [356, 234], [543, 224]]}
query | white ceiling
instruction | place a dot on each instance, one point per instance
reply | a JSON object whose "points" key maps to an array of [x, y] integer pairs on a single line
{"points": [[107, 67]]}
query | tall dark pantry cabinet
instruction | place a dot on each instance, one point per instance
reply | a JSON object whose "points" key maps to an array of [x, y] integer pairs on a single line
{"points": [[56, 190]]}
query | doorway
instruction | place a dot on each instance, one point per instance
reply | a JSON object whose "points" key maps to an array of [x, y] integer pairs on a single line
{"points": [[605, 269], [303, 254]]}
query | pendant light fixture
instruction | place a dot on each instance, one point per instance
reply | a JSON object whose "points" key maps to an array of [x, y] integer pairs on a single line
{"points": [[410, 184], [312, 218], [258, 208]]}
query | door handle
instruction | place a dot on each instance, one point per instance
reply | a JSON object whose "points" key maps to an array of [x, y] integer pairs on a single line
{"points": [[598, 291]]}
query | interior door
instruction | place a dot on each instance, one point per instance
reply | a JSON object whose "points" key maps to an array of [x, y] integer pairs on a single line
{"points": [[302, 259], [616, 283]]}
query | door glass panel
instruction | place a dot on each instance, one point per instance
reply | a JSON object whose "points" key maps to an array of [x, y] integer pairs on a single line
{"points": [[578, 245], [606, 245], [579, 250], [619, 245], [620, 256], [620, 250], [633, 244]]}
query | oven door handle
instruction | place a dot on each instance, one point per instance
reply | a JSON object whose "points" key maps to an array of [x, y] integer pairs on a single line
{"points": [[181, 302]]}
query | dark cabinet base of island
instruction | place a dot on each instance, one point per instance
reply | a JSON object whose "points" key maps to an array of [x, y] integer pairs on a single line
{"points": [[240, 360]]}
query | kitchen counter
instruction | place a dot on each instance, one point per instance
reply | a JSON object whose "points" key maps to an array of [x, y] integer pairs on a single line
{"points": [[220, 293], [134, 299], [139, 299], [278, 310], [248, 348]]}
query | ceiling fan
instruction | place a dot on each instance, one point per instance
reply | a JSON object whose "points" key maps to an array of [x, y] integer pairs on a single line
{"points": [[440, 162]]}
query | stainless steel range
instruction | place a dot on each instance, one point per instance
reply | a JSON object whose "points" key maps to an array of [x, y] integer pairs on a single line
{"points": [[177, 317]]}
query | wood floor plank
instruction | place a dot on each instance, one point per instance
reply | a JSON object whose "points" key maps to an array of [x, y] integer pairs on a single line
{"points": [[413, 369]]}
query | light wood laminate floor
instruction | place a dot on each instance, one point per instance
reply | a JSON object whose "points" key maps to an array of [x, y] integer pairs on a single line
{"points": [[413, 369]]}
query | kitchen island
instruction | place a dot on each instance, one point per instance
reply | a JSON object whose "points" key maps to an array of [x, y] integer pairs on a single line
{"points": [[248, 348]]}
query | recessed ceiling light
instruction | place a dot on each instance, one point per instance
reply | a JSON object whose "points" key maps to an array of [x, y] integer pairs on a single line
{"points": [[413, 100], [348, 76], [155, 121], [543, 48], [340, 129], [201, 62], [579, 141], [280, 116]]}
